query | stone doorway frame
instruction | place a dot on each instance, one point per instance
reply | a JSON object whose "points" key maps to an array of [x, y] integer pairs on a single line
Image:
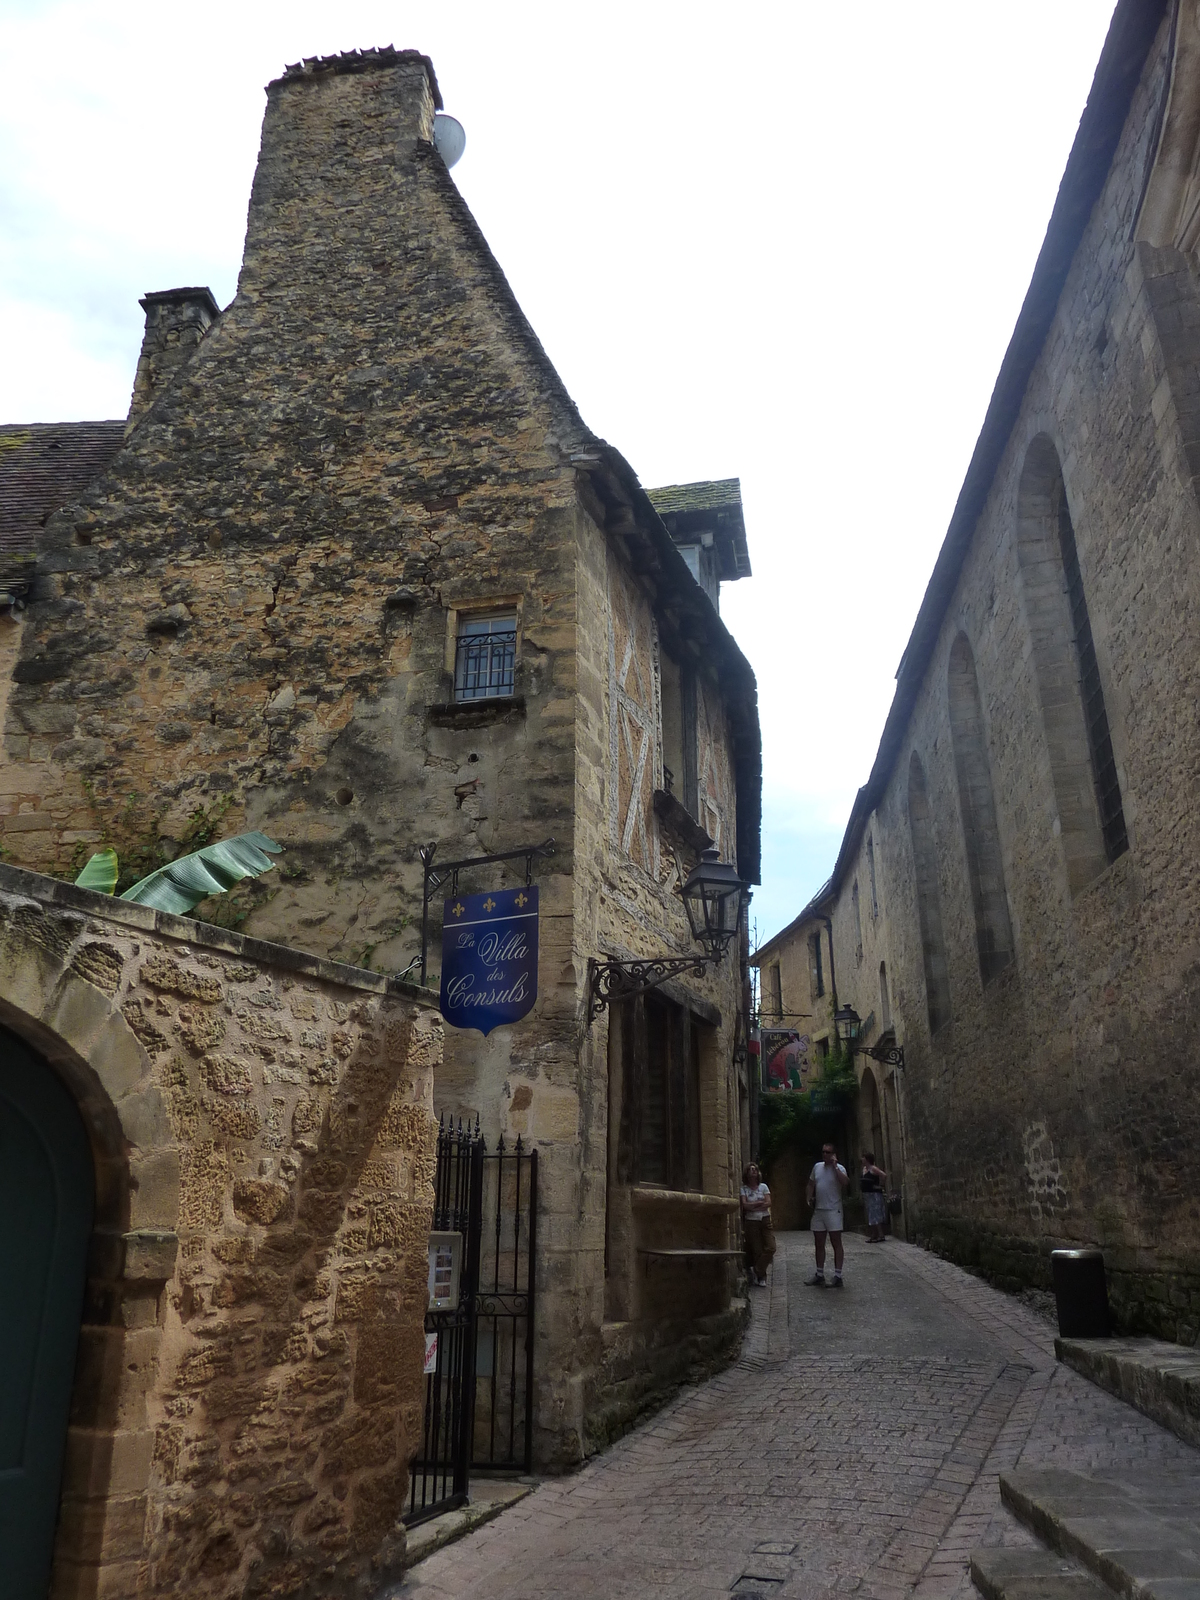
{"points": [[61, 1015]]}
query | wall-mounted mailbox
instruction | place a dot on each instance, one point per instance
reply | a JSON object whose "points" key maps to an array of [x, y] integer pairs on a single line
{"points": [[445, 1266]]}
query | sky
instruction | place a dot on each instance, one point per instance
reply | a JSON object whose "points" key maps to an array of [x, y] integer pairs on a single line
{"points": [[785, 242]]}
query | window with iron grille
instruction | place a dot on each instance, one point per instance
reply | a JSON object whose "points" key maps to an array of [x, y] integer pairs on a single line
{"points": [[1095, 715], [485, 655]]}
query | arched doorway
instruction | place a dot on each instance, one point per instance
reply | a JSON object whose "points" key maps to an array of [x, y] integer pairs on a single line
{"points": [[47, 1185], [870, 1119]]}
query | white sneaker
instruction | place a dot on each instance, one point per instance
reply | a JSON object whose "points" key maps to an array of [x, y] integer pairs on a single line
{"points": [[817, 1281]]}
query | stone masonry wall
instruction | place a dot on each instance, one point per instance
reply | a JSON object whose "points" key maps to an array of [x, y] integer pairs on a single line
{"points": [[1059, 1103], [367, 441], [248, 1390], [250, 623], [359, 445]]}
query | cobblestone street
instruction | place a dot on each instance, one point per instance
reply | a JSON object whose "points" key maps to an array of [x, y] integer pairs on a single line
{"points": [[854, 1449]]}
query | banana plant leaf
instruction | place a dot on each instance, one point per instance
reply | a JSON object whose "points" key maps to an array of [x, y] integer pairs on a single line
{"points": [[181, 885], [101, 872]]}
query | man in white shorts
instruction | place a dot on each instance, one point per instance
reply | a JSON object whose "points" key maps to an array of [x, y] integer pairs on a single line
{"points": [[826, 1186]]}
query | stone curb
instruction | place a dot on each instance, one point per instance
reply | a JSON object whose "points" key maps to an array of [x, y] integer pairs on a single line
{"points": [[1001, 1574], [1139, 1548], [1160, 1380], [438, 1532]]}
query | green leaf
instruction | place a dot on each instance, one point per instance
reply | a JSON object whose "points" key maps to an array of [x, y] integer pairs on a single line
{"points": [[181, 885], [101, 872]]}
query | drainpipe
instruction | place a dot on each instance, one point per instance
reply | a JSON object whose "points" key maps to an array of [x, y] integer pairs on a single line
{"points": [[828, 921]]}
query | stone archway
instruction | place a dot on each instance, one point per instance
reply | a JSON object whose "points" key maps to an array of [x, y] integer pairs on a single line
{"points": [[261, 1147], [47, 1192], [870, 1117], [64, 1039]]}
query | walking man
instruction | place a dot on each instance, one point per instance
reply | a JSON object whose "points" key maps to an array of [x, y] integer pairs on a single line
{"points": [[826, 1185]]}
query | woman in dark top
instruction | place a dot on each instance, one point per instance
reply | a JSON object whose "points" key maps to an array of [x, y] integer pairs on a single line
{"points": [[871, 1183]]}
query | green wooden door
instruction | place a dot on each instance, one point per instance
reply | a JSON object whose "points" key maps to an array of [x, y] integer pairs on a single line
{"points": [[46, 1188]]}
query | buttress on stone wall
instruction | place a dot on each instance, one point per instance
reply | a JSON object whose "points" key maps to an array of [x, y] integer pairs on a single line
{"points": [[248, 1389]]}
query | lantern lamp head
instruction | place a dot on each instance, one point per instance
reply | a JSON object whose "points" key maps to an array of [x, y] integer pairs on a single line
{"points": [[712, 898], [848, 1022]]}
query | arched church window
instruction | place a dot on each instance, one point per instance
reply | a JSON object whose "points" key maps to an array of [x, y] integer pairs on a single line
{"points": [[985, 868], [1083, 768], [929, 900], [885, 999]]}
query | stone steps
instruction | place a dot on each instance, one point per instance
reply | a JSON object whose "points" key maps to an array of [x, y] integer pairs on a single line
{"points": [[1032, 1575], [1161, 1380], [1137, 1531]]}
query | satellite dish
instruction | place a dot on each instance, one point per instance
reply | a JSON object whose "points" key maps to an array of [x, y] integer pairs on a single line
{"points": [[449, 138]]}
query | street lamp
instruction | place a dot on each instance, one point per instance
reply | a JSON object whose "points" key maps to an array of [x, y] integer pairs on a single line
{"points": [[713, 897], [849, 1024]]}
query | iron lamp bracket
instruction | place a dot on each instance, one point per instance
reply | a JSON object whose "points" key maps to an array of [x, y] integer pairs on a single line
{"points": [[620, 980], [888, 1055]]}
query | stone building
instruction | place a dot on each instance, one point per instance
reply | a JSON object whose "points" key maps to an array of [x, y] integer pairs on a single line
{"points": [[799, 978], [357, 574], [222, 1149], [1017, 883]]}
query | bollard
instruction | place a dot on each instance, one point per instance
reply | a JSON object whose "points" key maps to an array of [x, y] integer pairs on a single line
{"points": [[1080, 1293]]}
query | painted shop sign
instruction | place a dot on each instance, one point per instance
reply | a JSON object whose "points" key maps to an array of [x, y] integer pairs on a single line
{"points": [[489, 957]]}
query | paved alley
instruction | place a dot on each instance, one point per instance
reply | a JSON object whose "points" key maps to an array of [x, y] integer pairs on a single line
{"points": [[854, 1449]]}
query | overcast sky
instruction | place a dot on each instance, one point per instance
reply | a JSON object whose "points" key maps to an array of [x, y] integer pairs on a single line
{"points": [[784, 242]]}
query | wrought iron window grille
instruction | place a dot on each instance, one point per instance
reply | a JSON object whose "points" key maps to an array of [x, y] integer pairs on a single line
{"points": [[485, 658]]}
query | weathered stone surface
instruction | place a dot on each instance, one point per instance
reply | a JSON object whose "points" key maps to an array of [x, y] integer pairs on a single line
{"points": [[1050, 1099], [364, 447], [1135, 1532], [1161, 1379], [150, 1256], [216, 1309]]}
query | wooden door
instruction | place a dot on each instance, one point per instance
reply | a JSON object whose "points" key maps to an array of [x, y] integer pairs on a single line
{"points": [[46, 1190]]}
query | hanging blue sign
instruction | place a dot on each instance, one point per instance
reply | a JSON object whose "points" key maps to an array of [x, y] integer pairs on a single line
{"points": [[489, 957]]}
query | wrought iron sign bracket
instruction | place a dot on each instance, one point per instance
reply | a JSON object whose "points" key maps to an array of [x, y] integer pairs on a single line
{"points": [[447, 872], [620, 980]]}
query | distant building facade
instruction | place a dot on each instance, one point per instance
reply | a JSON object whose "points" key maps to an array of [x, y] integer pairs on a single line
{"points": [[1017, 884], [799, 976], [355, 573]]}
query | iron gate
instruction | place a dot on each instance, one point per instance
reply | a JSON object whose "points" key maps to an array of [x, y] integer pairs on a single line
{"points": [[478, 1393]]}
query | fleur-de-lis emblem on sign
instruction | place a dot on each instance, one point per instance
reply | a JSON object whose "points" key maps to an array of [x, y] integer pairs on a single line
{"points": [[489, 904], [457, 909], [521, 900]]}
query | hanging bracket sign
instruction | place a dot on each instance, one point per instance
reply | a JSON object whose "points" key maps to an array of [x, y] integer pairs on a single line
{"points": [[489, 957]]}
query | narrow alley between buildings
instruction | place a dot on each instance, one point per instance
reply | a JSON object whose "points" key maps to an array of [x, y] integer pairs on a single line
{"points": [[855, 1448]]}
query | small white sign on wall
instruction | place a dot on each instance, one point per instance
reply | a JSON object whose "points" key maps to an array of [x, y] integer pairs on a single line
{"points": [[445, 1263], [431, 1347]]}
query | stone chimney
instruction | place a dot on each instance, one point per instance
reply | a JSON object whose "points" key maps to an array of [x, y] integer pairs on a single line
{"points": [[337, 131], [176, 321]]}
